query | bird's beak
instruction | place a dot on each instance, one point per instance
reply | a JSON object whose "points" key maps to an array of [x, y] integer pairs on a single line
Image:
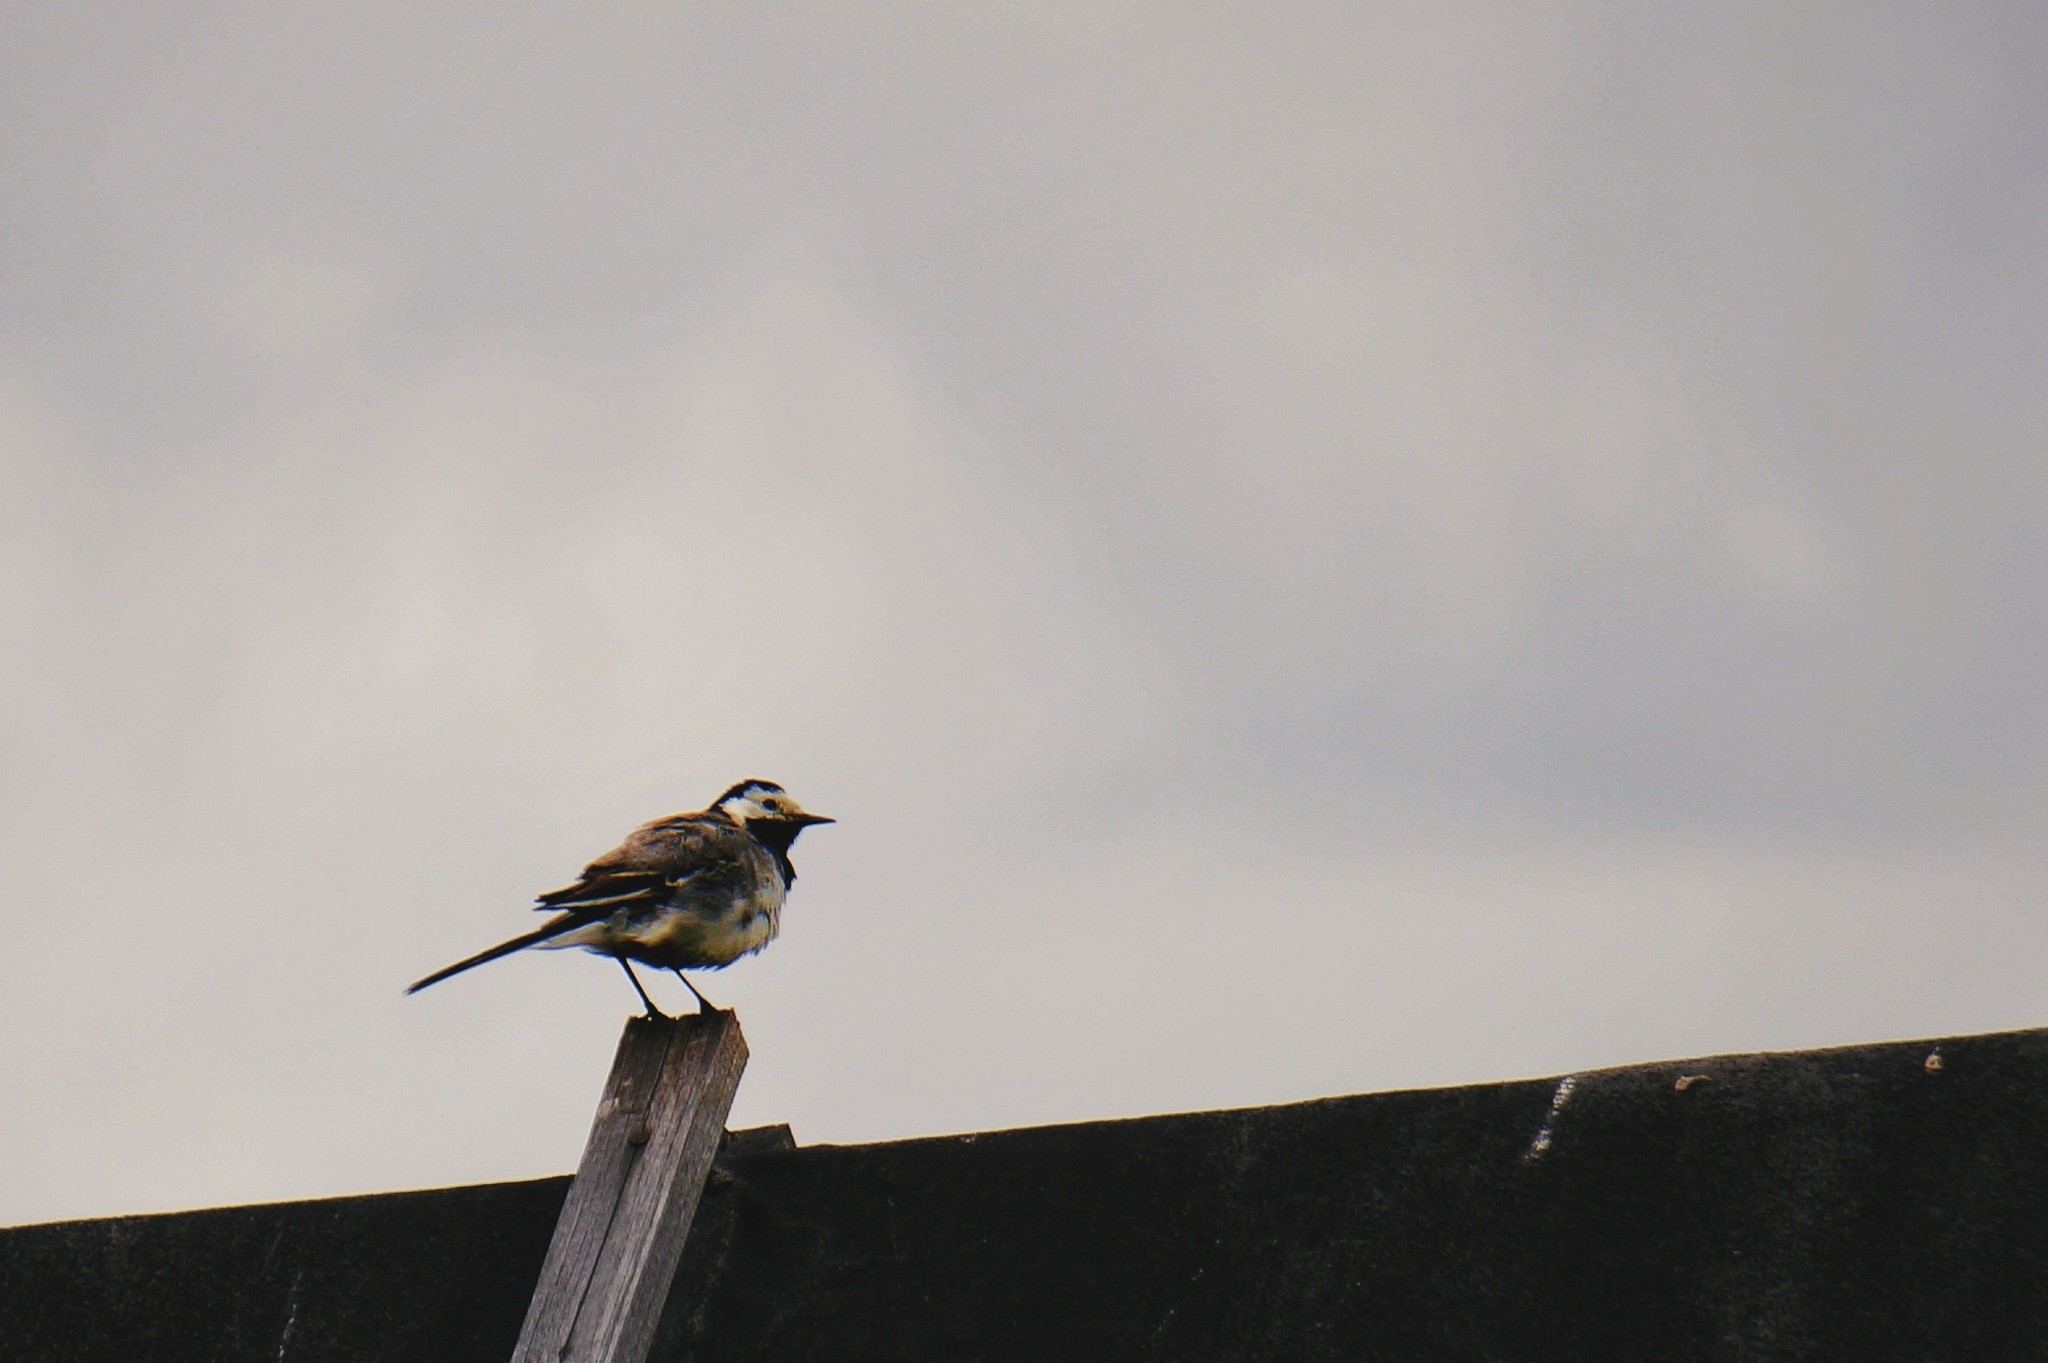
{"points": [[806, 820]]}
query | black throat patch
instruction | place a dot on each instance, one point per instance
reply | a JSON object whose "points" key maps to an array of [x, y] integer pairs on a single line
{"points": [[776, 835]]}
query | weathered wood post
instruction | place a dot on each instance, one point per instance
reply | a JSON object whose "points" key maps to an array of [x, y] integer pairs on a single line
{"points": [[622, 1226]]}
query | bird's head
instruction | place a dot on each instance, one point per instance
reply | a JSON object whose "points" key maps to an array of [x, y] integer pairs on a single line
{"points": [[763, 805]]}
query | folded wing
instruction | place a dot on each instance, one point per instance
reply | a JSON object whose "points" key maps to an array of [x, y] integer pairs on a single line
{"points": [[654, 858]]}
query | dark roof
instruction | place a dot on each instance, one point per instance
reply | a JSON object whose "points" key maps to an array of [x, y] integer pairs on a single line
{"points": [[1871, 1203]]}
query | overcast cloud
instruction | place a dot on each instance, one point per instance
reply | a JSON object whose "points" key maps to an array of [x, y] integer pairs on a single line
{"points": [[1311, 548]]}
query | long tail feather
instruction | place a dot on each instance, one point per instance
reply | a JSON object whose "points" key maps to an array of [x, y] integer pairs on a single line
{"points": [[553, 928]]}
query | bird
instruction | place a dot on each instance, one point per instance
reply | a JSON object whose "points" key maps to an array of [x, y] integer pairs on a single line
{"points": [[690, 891]]}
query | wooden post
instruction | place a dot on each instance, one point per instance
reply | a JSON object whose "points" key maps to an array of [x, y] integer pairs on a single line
{"points": [[622, 1226]]}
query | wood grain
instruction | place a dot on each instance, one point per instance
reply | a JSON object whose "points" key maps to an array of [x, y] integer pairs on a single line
{"points": [[622, 1227]]}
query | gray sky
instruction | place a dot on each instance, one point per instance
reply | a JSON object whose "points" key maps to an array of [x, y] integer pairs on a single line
{"points": [[1311, 548]]}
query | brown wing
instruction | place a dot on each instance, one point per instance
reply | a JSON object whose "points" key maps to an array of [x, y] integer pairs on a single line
{"points": [[654, 858]]}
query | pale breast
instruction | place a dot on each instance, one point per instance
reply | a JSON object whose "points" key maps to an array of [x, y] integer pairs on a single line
{"points": [[734, 937], [742, 925]]}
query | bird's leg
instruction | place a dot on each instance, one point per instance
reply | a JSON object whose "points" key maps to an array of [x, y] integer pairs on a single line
{"points": [[652, 1011], [704, 1005]]}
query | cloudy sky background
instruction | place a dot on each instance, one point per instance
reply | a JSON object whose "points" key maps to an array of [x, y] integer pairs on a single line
{"points": [[1312, 550]]}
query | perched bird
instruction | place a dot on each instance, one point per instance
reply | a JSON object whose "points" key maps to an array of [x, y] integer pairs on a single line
{"points": [[688, 892]]}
